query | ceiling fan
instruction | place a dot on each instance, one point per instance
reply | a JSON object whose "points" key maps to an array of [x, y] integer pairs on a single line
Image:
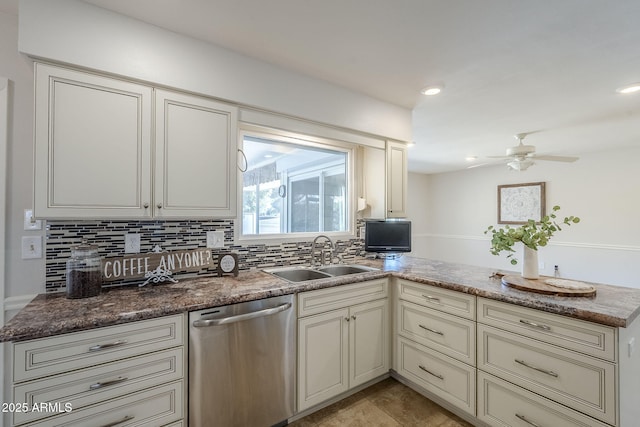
{"points": [[522, 156]]}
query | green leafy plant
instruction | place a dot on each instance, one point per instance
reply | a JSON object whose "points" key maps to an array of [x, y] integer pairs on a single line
{"points": [[532, 234]]}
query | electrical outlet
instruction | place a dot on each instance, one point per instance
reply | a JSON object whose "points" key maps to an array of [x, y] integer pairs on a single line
{"points": [[29, 222], [131, 243], [215, 239], [31, 247]]}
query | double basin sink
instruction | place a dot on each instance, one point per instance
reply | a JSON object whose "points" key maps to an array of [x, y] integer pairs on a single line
{"points": [[301, 274]]}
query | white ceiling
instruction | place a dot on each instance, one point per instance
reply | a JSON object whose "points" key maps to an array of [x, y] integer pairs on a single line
{"points": [[508, 66]]}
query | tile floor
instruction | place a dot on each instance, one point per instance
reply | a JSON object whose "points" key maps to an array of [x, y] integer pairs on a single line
{"points": [[387, 403]]}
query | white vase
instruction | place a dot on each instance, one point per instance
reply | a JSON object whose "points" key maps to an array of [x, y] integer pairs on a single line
{"points": [[530, 263]]}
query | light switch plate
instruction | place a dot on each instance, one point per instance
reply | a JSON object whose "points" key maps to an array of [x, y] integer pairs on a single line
{"points": [[215, 239], [31, 247], [131, 243], [29, 222]]}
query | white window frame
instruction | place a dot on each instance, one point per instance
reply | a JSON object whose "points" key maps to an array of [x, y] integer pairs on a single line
{"points": [[309, 141]]}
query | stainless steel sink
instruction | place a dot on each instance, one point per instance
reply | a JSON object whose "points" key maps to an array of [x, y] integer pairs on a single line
{"points": [[341, 270], [301, 274], [297, 274]]}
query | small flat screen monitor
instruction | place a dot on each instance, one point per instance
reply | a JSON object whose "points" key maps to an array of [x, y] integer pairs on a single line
{"points": [[387, 236]]}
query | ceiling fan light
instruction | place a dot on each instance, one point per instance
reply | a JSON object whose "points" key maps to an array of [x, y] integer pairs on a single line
{"points": [[520, 165]]}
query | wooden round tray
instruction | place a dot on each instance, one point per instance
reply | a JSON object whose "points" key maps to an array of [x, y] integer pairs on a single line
{"points": [[539, 286]]}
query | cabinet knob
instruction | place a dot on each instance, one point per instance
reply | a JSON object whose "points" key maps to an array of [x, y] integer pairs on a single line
{"points": [[353, 317], [346, 318], [146, 205], [159, 205]]}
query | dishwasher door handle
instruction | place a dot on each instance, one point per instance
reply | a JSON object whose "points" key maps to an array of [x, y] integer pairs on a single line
{"points": [[240, 317]]}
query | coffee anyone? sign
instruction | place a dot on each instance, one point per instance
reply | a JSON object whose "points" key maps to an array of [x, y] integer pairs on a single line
{"points": [[155, 266]]}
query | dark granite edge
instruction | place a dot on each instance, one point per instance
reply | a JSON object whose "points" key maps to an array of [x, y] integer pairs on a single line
{"points": [[276, 287], [546, 306]]}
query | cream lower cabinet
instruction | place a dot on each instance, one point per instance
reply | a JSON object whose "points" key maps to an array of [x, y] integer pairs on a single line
{"points": [[101, 153], [537, 368], [343, 339], [132, 374], [436, 342]]}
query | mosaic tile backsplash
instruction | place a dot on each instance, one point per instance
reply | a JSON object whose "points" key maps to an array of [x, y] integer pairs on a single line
{"points": [[171, 235]]}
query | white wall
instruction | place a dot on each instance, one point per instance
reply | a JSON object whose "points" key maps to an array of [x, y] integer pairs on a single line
{"points": [[601, 188], [82, 34], [23, 277]]}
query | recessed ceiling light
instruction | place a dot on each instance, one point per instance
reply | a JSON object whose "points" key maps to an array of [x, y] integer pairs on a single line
{"points": [[471, 158], [432, 90], [634, 87]]}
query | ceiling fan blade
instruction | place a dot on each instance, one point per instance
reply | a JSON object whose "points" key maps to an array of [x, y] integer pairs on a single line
{"points": [[567, 159], [499, 157], [481, 165]]}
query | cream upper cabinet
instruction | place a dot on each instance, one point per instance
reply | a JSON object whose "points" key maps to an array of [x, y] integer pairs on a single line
{"points": [[373, 187], [396, 180], [92, 145], [97, 157], [195, 156]]}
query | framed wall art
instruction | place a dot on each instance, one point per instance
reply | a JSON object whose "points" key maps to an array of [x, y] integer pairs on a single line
{"points": [[518, 203]]}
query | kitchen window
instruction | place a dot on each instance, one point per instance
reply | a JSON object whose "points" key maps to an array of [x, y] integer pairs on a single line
{"points": [[294, 186]]}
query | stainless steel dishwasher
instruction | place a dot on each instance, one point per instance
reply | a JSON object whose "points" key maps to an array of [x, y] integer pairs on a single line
{"points": [[242, 364]]}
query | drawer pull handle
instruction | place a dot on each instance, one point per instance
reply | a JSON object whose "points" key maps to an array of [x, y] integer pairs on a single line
{"points": [[431, 330], [432, 299], [430, 373], [544, 371], [108, 345], [523, 418], [535, 325], [102, 384], [115, 423]]}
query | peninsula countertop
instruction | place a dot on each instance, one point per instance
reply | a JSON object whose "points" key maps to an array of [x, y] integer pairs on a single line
{"points": [[53, 314]]}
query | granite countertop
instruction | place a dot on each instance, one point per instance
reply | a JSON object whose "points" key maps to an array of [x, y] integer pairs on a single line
{"points": [[53, 314]]}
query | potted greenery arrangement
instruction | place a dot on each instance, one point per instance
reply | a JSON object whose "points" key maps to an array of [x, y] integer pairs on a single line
{"points": [[532, 234]]}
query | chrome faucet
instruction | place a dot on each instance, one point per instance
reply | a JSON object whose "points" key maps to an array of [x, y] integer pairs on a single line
{"points": [[322, 251]]}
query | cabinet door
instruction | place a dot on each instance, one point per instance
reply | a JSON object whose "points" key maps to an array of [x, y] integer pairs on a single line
{"points": [[322, 357], [92, 146], [373, 187], [368, 341], [196, 151], [396, 180]]}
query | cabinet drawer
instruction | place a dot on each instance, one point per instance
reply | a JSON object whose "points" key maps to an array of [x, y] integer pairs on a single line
{"points": [[50, 356], [322, 300], [92, 385], [581, 382], [156, 406], [440, 299], [448, 378], [585, 337], [451, 335], [504, 404]]}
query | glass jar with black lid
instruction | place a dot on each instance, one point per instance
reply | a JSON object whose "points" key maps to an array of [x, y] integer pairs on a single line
{"points": [[84, 271]]}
